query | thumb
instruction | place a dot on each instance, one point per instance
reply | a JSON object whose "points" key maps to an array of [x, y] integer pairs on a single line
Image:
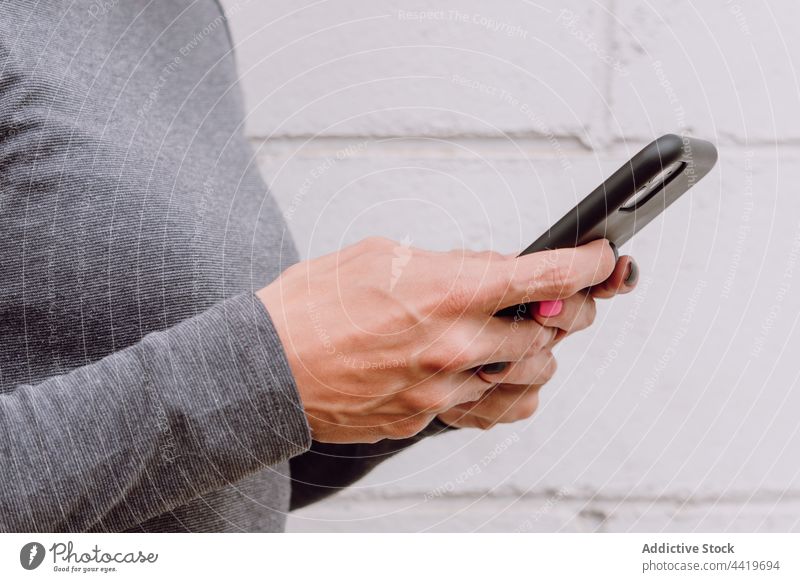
{"points": [[550, 275]]}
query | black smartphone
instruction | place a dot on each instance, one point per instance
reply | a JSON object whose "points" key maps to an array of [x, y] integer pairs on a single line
{"points": [[631, 197]]}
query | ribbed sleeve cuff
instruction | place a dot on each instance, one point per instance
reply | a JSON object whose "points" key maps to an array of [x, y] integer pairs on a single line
{"points": [[228, 392], [268, 398]]}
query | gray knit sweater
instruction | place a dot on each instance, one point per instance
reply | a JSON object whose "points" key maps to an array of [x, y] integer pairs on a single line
{"points": [[142, 385]]}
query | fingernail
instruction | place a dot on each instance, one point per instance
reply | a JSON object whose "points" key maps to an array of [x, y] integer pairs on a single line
{"points": [[494, 368], [633, 273], [550, 308], [616, 252]]}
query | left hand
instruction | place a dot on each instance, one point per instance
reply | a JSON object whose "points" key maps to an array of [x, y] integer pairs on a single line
{"points": [[516, 394]]}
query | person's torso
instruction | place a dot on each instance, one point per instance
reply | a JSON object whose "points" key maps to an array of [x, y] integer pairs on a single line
{"points": [[129, 198]]}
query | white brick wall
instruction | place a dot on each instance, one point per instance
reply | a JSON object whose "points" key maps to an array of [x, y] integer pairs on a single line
{"points": [[476, 124]]}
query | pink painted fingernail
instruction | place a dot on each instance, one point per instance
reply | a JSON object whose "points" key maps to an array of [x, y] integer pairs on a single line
{"points": [[550, 308]]}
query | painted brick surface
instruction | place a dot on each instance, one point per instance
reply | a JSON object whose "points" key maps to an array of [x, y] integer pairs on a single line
{"points": [[419, 68]]}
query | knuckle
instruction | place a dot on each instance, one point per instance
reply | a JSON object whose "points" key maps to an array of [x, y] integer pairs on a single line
{"points": [[550, 368], [435, 360], [542, 337], [471, 394], [407, 427], [422, 400], [377, 243], [485, 423], [450, 355], [537, 339], [458, 360], [528, 406], [591, 311], [515, 283], [493, 257], [558, 280], [394, 431]]}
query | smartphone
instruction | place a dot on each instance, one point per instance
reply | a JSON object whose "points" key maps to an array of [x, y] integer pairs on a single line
{"points": [[630, 198]]}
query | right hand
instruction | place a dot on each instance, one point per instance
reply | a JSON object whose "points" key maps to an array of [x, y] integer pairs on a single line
{"points": [[381, 337]]}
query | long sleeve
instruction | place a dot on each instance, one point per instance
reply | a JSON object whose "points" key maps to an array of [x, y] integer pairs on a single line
{"points": [[147, 428], [328, 468]]}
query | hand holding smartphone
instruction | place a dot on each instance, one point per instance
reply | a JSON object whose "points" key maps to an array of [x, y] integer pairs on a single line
{"points": [[629, 199]]}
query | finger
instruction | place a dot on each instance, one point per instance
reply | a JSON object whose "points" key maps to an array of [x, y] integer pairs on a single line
{"points": [[472, 343], [501, 340], [576, 313], [538, 369], [545, 275], [622, 280], [460, 389], [439, 393], [503, 404]]}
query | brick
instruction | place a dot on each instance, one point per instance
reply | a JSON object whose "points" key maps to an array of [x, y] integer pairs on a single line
{"points": [[721, 70], [546, 514], [352, 68]]}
